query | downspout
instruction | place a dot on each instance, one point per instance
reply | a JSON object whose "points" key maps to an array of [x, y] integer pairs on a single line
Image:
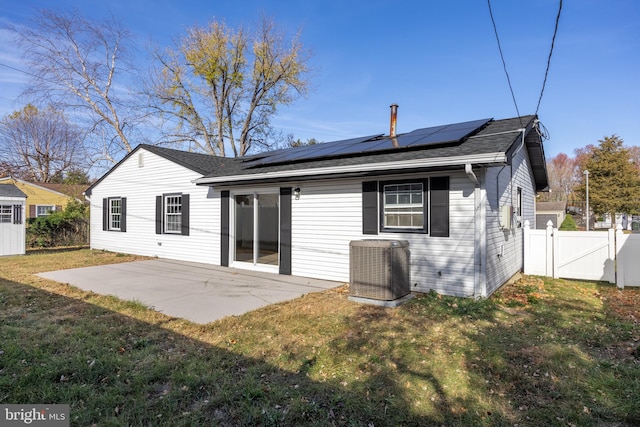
{"points": [[468, 169], [479, 236]]}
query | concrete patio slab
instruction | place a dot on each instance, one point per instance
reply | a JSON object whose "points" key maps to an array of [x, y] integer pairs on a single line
{"points": [[197, 292]]}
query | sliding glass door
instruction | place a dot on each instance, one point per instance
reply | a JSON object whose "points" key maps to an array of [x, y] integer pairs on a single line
{"points": [[256, 229]]}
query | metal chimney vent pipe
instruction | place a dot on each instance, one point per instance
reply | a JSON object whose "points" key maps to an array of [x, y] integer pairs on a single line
{"points": [[394, 120]]}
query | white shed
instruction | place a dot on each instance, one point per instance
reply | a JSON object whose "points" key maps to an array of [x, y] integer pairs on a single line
{"points": [[12, 223]]}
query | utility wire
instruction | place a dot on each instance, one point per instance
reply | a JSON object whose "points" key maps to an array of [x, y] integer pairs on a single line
{"points": [[504, 64], [553, 41], [17, 69], [29, 74]]}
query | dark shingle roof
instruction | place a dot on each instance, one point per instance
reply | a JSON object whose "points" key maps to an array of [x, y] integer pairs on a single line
{"points": [[10, 190], [496, 136], [197, 162]]}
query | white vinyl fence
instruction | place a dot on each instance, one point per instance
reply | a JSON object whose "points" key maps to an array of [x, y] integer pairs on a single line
{"points": [[588, 255]]}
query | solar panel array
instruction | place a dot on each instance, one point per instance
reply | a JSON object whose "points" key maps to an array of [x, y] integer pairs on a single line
{"points": [[435, 135]]}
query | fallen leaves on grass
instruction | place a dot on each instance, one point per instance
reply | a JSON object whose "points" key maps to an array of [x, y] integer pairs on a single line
{"points": [[523, 293]]}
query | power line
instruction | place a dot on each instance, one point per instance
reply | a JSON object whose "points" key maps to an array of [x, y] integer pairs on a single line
{"points": [[17, 69], [29, 74], [504, 64], [553, 41]]}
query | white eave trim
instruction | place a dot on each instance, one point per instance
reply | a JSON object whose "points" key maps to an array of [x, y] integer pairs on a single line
{"points": [[498, 157]]}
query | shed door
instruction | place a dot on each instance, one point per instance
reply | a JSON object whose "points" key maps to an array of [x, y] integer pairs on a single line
{"points": [[12, 232]]}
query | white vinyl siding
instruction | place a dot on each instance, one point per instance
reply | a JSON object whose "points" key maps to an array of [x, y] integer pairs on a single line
{"points": [[140, 186], [328, 215], [473, 260], [504, 247]]}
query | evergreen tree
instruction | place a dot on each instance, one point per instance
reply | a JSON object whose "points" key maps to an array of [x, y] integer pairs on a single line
{"points": [[568, 224], [614, 181]]}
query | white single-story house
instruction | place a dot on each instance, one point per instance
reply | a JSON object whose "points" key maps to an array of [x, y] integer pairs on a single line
{"points": [[12, 223], [457, 193]]}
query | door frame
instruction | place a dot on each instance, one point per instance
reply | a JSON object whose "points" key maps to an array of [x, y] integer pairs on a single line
{"points": [[232, 229]]}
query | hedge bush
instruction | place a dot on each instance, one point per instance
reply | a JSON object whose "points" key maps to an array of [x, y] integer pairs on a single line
{"points": [[68, 227]]}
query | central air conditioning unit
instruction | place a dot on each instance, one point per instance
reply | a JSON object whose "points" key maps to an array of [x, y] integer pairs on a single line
{"points": [[379, 269]]}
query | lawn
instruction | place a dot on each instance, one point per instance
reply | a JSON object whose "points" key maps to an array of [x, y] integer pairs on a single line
{"points": [[539, 352]]}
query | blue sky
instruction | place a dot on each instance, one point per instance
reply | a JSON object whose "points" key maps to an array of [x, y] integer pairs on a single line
{"points": [[438, 60]]}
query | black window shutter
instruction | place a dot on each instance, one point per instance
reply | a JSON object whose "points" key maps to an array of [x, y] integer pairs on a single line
{"points": [[440, 206], [105, 214], [17, 214], [158, 214], [123, 215], [370, 207], [185, 215], [285, 230], [224, 228]]}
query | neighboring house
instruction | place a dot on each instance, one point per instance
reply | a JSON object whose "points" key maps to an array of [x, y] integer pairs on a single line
{"points": [[12, 223], [43, 198], [458, 193], [624, 220], [550, 211]]}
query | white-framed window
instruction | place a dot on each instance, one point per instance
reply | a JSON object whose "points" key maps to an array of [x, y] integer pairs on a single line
{"points": [[403, 206], [406, 206], [173, 213], [115, 214], [44, 210], [5, 214]]}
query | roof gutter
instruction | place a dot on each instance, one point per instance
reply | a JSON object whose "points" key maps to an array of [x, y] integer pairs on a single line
{"points": [[489, 158]]}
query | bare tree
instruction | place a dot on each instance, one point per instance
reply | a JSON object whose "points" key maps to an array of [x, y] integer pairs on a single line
{"points": [[39, 145], [221, 86], [77, 65], [562, 178]]}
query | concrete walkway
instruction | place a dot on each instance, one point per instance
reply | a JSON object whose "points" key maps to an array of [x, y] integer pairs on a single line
{"points": [[200, 293]]}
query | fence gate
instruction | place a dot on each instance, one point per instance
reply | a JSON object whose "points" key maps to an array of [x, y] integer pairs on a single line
{"points": [[587, 255], [628, 259]]}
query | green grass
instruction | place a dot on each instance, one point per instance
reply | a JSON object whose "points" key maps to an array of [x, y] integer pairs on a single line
{"points": [[539, 352]]}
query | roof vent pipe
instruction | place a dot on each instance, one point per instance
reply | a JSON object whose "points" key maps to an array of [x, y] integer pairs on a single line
{"points": [[394, 119]]}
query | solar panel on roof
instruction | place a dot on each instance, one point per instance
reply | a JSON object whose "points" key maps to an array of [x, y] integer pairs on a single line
{"points": [[345, 146], [427, 131], [443, 134], [368, 144]]}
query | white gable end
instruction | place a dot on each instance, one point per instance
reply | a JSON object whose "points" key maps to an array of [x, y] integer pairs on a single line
{"points": [[140, 179]]}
